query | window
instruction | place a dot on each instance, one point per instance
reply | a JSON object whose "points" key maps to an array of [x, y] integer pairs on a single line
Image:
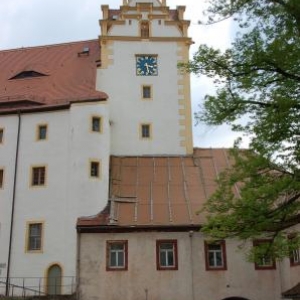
{"points": [[95, 169], [96, 124], [145, 131], [166, 255], [295, 257], [38, 176], [1, 178], [146, 92], [1, 135], [42, 132], [116, 255], [215, 255], [263, 260], [34, 236], [144, 29]]}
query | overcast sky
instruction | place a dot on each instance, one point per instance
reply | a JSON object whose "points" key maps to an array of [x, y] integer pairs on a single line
{"points": [[25, 23]]}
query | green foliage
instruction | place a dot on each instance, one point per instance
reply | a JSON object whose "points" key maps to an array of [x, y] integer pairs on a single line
{"points": [[258, 79]]}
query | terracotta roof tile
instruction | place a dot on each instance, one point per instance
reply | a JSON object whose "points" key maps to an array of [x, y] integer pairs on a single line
{"points": [[164, 190], [70, 76], [293, 293]]}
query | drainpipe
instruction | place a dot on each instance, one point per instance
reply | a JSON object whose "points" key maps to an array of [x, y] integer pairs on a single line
{"points": [[13, 207], [191, 234]]}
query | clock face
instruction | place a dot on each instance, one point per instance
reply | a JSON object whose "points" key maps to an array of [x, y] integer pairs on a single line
{"points": [[146, 65]]}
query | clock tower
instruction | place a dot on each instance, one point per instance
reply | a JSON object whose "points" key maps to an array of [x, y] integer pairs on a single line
{"points": [[149, 98]]}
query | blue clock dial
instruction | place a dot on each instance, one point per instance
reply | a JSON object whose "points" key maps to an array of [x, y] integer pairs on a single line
{"points": [[146, 65]]}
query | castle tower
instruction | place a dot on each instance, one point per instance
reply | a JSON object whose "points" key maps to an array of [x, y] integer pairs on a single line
{"points": [[149, 98]]}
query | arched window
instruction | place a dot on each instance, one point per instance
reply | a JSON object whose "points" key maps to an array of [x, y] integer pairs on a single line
{"points": [[54, 280]]}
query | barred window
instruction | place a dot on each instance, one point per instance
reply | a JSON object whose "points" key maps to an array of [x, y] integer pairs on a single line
{"points": [[34, 242], [38, 176]]}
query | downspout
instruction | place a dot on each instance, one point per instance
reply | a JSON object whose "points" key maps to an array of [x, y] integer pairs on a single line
{"points": [[13, 207], [191, 234]]}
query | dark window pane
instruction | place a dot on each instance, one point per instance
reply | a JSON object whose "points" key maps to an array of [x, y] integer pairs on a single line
{"points": [[96, 124], [42, 132]]}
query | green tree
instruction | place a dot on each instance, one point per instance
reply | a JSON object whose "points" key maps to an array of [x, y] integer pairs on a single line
{"points": [[258, 93]]}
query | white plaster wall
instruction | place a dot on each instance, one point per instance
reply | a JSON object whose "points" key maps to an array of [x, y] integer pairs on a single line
{"points": [[128, 110], [191, 280], [69, 192], [7, 160]]}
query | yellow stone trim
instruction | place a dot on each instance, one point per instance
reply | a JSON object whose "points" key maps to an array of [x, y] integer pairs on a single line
{"points": [[46, 276], [98, 161], [28, 223], [185, 102], [37, 133], [106, 53], [31, 176], [182, 122], [133, 16], [150, 130], [100, 124], [104, 39]]}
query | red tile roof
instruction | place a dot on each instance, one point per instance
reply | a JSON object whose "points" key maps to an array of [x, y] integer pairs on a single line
{"points": [[70, 74], [293, 293], [160, 190]]}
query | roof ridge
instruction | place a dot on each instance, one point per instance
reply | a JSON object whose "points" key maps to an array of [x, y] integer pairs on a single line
{"points": [[48, 45]]}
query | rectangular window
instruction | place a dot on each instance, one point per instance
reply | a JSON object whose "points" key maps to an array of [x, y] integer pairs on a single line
{"points": [[295, 257], [38, 176], [96, 124], [166, 255], [42, 132], [263, 260], [116, 255], [34, 241], [215, 255], [1, 135], [95, 169], [1, 178], [145, 131], [146, 92], [145, 30]]}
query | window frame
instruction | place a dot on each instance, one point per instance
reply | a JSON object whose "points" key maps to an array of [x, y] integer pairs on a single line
{"points": [[28, 249], [38, 132], [263, 266], [123, 267], [293, 261], [144, 87], [159, 265], [222, 250], [144, 31], [98, 164], [41, 183], [149, 131], [99, 118]]}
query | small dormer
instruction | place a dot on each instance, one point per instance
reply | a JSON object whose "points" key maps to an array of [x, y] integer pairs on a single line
{"points": [[27, 74]]}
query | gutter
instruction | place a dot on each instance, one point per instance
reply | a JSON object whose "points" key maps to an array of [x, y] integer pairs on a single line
{"points": [[136, 228], [13, 207]]}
